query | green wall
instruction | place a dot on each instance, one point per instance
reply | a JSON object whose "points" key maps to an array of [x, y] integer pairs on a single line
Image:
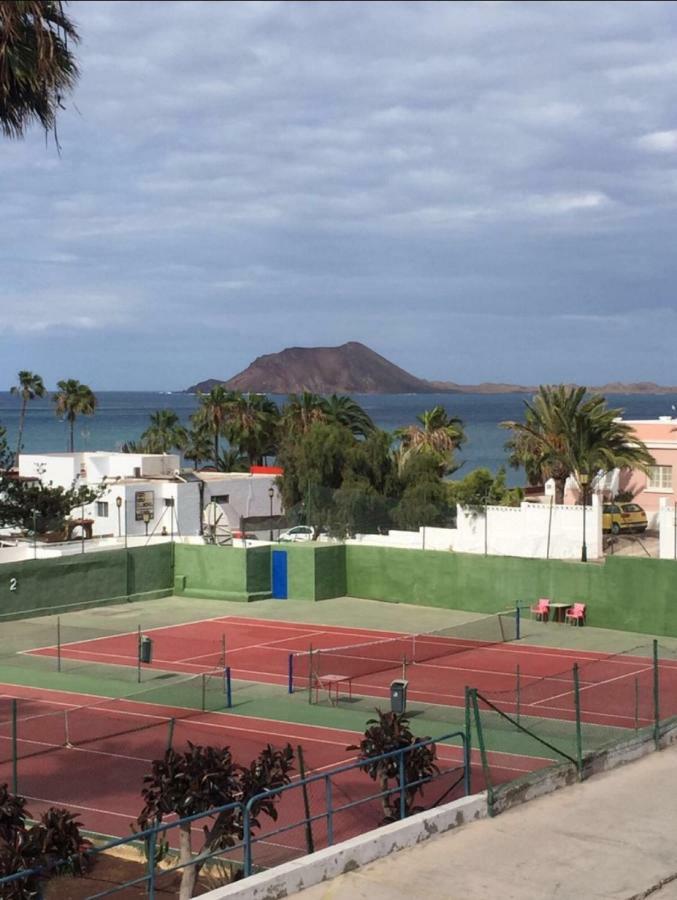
{"points": [[222, 573], [623, 593], [46, 586]]}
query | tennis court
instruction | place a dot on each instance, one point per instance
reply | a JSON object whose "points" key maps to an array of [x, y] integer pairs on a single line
{"points": [[484, 654]]}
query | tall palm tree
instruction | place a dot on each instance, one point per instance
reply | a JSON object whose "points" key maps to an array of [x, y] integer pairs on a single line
{"points": [[213, 413], [252, 423], [73, 399], [198, 446], [565, 433], [37, 67], [343, 410], [164, 433], [435, 432], [29, 387], [301, 411]]}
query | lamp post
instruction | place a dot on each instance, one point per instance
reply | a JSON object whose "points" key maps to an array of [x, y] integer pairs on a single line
{"points": [[35, 534], [146, 520], [271, 494], [584, 490], [118, 503]]}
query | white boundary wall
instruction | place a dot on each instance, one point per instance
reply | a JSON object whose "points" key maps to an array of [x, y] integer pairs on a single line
{"points": [[667, 520], [508, 531]]}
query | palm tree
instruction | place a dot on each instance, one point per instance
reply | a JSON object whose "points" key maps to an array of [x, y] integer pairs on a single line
{"points": [[435, 432], [252, 422], [232, 461], [198, 446], [343, 410], [567, 433], [29, 387], [213, 413], [164, 433], [37, 67], [72, 400], [301, 411]]}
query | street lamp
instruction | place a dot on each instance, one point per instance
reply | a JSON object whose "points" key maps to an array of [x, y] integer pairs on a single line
{"points": [[584, 478], [146, 520], [118, 503], [271, 494]]}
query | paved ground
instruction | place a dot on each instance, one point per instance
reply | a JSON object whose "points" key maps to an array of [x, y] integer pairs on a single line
{"points": [[642, 545], [614, 836]]}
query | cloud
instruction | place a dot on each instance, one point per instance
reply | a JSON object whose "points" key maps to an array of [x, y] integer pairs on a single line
{"points": [[238, 176], [659, 141]]}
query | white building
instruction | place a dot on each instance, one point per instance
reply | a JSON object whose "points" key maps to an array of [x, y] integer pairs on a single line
{"points": [[148, 494]]}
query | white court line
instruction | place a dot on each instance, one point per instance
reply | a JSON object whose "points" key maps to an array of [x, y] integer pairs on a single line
{"points": [[594, 684], [56, 747]]}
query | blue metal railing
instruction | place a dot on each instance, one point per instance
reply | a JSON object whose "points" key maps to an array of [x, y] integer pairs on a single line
{"points": [[152, 837]]}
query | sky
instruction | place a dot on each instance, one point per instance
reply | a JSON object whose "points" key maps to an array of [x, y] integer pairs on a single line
{"points": [[478, 191]]}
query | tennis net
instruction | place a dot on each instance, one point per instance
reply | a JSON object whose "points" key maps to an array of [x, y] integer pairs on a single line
{"points": [[372, 657]]}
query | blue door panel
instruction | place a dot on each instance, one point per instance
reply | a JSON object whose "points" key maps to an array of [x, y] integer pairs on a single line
{"points": [[280, 574]]}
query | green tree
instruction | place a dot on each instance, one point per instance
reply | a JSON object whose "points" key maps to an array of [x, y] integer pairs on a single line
{"points": [[566, 432], [165, 432], [74, 399], [232, 460], [252, 426], [436, 434], [29, 387], [198, 445], [385, 734], [25, 503], [37, 66], [5, 453], [213, 415], [343, 410], [205, 778], [301, 412], [480, 488]]}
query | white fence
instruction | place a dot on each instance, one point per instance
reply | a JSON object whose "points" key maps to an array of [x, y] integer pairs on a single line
{"points": [[667, 526], [535, 530]]}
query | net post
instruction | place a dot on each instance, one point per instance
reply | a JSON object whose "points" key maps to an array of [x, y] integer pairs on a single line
{"points": [[229, 689], [203, 701], [308, 825], [15, 755], [467, 743], [518, 623], [518, 694], [656, 698], [636, 704], [138, 655], [170, 733], [310, 674], [579, 736], [483, 751], [58, 643], [290, 674]]}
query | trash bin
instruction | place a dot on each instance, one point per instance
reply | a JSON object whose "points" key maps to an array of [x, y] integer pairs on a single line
{"points": [[146, 650], [398, 696]]}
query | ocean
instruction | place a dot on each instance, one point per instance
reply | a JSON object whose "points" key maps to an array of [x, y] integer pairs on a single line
{"points": [[122, 416]]}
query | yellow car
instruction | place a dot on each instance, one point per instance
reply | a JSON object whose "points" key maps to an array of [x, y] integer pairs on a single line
{"points": [[618, 517]]}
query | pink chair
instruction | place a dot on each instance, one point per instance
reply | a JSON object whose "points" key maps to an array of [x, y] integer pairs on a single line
{"points": [[541, 610], [576, 615]]}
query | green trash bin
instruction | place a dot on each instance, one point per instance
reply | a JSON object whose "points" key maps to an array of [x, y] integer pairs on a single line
{"points": [[398, 696], [146, 650]]}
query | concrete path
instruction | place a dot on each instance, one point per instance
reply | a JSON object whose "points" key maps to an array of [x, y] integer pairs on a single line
{"points": [[614, 836]]}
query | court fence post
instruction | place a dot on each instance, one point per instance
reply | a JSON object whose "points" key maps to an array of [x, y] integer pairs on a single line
{"points": [[329, 803], [636, 704], [518, 623], [308, 825], [402, 780], [58, 643], [483, 752], [579, 736], [203, 698], [656, 698], [468, 743], [138, 655], [170, 733], [151, 847], [229, 689], [290, 674], [15, 764], [518, 694]]}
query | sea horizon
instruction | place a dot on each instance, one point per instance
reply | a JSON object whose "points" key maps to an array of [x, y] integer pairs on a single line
{"points": [[122, 416]]}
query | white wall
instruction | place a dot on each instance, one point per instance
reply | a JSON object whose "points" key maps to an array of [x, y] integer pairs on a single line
{"points": [[667, 532], [247, 496], [509, 531]]}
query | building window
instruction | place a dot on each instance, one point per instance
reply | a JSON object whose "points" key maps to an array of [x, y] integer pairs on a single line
{"points": [[660, 478], [221, 498], [102, 509]]}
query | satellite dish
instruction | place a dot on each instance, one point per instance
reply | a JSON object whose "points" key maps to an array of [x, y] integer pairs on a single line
{"points": [[216, 526]]}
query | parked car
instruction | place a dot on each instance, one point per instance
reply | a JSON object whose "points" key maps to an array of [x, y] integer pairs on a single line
{"points": [[618, 517], [245, 536], [297, 533]]}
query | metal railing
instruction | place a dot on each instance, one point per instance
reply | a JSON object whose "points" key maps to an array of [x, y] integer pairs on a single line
{"points": [[156, 840]]}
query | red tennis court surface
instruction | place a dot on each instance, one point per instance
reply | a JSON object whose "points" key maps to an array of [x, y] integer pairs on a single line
{"points": [[112, 743], [258, 650]]}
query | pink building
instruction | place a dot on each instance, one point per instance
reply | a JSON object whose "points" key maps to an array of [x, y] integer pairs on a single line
{"points": [[660, 437]]}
